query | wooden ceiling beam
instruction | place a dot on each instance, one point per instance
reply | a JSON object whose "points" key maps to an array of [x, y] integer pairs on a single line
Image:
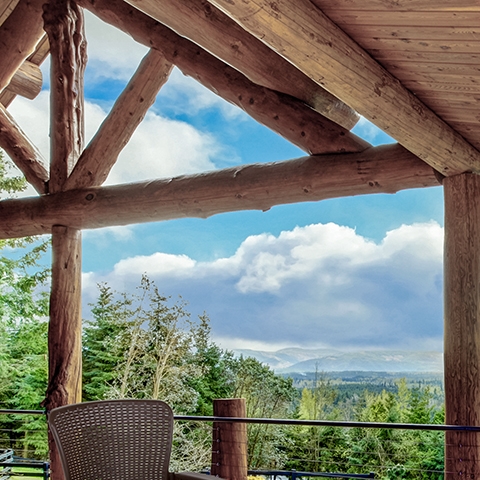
{"points": [[19, 35], [385, 169], [98, 158], [308, 39], [27, 81], [285, 115], [208, 27], [23, 153], [36, 58]]}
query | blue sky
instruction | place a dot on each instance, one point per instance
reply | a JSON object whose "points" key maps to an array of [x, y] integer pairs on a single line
{"points": [[353, 273]]}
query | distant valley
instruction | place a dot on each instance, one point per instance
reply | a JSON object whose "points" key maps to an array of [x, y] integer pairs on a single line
{"points": [[299, 360]]}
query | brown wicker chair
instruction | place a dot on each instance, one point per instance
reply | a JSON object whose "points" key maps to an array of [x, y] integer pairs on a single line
{"points": [[116, 440]]}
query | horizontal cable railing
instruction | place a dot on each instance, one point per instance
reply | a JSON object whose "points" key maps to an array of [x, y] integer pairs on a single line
{"points": [[289, 421], [372, 453]]}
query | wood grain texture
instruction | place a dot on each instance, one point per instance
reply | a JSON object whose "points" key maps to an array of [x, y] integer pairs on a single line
{"points": [[65, 329], [462, 323], [65, 29], [37, 58], [6, 8], [385, 169], [205, 25], [314, 44], [416, 6], [285, 115], [354, 16], [27, 80], [19, 34], [23, 153], [98, 158], [229, 448]]}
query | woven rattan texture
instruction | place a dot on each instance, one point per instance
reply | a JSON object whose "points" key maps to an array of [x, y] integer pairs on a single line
{"points": [[114, 439]]}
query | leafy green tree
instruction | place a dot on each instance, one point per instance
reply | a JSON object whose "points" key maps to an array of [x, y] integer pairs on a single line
{"points": [[23, 330], [267, 395]]}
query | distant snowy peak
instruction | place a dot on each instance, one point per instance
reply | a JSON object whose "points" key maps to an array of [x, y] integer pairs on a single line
{"points": [[310, 360]]}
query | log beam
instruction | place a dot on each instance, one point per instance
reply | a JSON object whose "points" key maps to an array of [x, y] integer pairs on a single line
{"points": [[98, 158], [64, 27], [462, 324], [23, 153], [308, 39], [385, 169], [27, 81], [19, 35], [207, 26], [37, 57], [6, 8], [285, 115]]}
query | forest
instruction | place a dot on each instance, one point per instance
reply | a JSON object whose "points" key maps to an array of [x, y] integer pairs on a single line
{"points": [[146, 345]]}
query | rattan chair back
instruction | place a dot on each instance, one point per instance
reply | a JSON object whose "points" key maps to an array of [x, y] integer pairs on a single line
{"points": [[114, 439]]}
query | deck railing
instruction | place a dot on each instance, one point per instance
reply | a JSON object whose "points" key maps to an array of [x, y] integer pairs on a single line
{"points": [[396, 471]]}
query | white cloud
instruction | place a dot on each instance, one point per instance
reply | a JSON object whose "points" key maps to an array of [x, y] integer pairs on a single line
{"points": [[157, 264], [111, 53], [164, 148], [187, 95], [315, 285]]}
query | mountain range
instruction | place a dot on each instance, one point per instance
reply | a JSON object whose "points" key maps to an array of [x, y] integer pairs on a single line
{"points": [[300, 360]]}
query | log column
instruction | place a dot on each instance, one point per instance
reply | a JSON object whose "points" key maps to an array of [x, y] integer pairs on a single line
{"points": [[65, 29], [462, 323]]}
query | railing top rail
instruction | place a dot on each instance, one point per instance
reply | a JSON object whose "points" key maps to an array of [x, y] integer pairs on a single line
{"points": [[284, 421], [331, 423]]}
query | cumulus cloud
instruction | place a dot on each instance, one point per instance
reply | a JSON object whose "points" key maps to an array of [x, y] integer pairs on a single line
{"points": [[184, 94], [311, 286], [111, 53]]}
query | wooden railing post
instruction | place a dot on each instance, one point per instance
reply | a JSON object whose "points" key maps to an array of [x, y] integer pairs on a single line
{"points": [[229, 448]]}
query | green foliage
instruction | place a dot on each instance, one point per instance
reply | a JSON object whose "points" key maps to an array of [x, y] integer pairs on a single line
{"points": [[390, 453], [267, 395], [23, 332], [146, 346]]}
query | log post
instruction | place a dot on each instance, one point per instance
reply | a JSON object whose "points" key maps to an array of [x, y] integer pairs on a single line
{"points": [[65, 329], [462, 323], [229, 448], [65, 29], [64, 25]]}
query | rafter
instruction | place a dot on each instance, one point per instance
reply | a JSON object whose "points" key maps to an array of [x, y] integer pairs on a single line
{"points": [[385, 169], [27, 80], [205, 25], [289, 117], [36, 58], [98, 158], [19, 35], [304, 36], [23, 153]]}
